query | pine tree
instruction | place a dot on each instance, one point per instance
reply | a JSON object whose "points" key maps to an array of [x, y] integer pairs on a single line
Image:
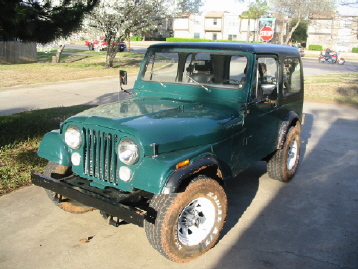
{"points": [[41, 21]]}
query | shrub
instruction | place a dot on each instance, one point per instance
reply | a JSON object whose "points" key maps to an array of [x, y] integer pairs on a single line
{"points": [[315, 47], [136, 38], [355, 49], [230, 41], [156, 39], [175, 39]]}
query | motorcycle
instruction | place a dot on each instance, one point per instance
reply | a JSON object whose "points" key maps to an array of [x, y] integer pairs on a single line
{"points": [[336, 58]]}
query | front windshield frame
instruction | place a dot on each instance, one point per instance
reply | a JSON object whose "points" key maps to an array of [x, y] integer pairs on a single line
{"points": [[202, 68]]}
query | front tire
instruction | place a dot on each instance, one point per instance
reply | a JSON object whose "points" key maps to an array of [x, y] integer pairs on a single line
{"points": [[188, 224], [283, 164], [57, 171]]}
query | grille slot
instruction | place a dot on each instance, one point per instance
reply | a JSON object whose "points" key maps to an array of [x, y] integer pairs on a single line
{"points": [[100, 161]]}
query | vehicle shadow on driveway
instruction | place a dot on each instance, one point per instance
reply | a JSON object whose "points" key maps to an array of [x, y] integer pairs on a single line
{"points": [[242, 190], [311, 222]]}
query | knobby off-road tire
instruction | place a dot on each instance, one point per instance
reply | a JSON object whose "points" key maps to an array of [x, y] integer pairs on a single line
{"points": [[283, 164], [189, 223], [58, 171]]}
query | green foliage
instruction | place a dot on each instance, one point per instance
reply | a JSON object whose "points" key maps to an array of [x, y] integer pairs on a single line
{"points": [[315, 47], [175, 39], [355, 50], [136, 38], [300, 34], [41, 21], [239, 41], [256, 10], [19, 139], [34, 123]]}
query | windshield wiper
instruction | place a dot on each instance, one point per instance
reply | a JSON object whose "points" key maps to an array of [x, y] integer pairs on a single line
{"points": [[155, 76], [203, 86]]}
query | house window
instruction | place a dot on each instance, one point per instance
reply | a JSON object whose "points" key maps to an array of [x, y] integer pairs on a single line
{"points": [[196, 35], [232, 37], [215, 22]]}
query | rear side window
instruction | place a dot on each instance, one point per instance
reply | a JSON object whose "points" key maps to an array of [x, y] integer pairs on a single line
{"points": [[291, 76]]}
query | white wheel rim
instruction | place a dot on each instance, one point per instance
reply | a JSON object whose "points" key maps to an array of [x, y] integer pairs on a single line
{"points": [[196, 221], [292, 155]]}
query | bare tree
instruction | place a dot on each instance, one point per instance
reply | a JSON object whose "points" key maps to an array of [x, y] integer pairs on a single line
{"points": [[116, 19], [300, 10]]}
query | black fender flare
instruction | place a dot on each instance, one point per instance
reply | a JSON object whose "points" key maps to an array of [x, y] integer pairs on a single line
{"points": [[176, 179], [289, 120]]}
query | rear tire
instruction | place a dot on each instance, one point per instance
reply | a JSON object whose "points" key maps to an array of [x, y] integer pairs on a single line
{"points": [[57, 171], [188, 224], [283, 164]]}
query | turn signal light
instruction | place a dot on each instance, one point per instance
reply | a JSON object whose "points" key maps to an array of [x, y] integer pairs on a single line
{"points": [[183, 163]]}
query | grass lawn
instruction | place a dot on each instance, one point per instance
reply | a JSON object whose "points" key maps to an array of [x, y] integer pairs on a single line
{"points": [[338, 88], [75, 64], [18, 146]]}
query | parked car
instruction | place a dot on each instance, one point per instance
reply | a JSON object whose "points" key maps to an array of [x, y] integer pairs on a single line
{"points": [[300, 50], [102, 45], [200, 113]]}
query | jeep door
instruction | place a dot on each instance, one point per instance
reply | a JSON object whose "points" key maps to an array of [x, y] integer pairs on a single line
{"points": [[262, 119]]}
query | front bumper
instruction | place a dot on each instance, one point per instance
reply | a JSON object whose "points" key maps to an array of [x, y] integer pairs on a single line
{"points": [[78, 189]]}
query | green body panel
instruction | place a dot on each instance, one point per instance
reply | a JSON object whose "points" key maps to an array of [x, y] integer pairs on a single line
{"points": [[169, 123], [54, 149]]}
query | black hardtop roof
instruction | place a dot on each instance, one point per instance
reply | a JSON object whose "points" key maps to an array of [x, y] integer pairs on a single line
{"points": [[234, 46]]}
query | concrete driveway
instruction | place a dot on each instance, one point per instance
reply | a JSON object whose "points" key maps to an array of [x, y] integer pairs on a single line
{"points": [[311, 222]]}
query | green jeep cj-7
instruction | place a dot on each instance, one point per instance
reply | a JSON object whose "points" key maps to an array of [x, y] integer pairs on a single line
{"points": [[199, 113]]}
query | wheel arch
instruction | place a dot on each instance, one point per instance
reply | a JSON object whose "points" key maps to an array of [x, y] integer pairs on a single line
{"points": [[289, 120], [206, 165]]}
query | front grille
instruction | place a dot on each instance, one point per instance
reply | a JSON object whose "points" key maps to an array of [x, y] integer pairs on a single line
{"points": [[100, 157]]}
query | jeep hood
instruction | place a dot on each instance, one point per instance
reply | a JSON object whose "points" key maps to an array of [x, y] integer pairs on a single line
{"points": [[170, 123]]}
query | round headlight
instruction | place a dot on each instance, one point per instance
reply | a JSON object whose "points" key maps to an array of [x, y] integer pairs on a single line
{"points": [[73, 137], [128, 151]]}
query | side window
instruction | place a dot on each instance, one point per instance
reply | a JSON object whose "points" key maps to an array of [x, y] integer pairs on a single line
{"points": [[266, 75], [237, 74], [291, 76]]}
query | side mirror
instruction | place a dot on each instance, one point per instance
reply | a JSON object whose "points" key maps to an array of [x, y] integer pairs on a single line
{"points": [[123, 77]]}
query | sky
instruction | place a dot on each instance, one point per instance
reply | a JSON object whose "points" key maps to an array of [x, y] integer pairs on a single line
{"points": [[225, 5], [237, 6]]}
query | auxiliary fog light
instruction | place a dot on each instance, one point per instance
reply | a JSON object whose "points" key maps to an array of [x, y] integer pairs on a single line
{"points": [[76, 158], [125, 173]]}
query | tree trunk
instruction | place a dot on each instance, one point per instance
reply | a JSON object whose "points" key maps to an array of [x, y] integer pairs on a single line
{"points": [[129, 42], [58, 52], [288, 37], [282, 31], [111, 53]]}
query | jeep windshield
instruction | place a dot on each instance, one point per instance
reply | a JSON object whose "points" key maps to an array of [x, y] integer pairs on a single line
{"points": [[198, 68]]}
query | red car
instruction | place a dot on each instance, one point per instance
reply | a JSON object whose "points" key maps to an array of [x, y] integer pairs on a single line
{"points": [[102, 45]]}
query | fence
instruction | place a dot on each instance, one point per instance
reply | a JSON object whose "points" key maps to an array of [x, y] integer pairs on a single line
{"points": [[12, 52]]}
